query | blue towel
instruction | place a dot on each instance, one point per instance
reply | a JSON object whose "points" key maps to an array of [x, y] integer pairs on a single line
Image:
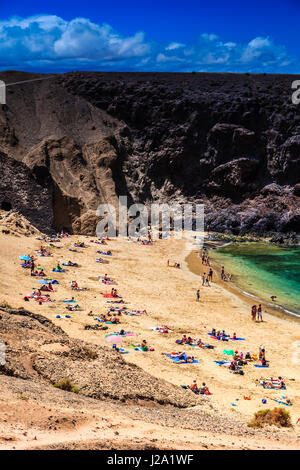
{"points": [[176, 359], [57, 271], [238, 339], [282, 403], [68, 301], [259, 365]]}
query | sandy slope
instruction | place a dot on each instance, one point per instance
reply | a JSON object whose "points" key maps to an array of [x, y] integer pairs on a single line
{"points": [[168, 294]]}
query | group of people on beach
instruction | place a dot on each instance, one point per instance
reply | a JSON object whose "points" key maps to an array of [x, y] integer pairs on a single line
{"points": [[256, 313]]}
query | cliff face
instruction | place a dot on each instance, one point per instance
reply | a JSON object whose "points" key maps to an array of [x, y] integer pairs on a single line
{"points": [[20, 189], [229, 141]]}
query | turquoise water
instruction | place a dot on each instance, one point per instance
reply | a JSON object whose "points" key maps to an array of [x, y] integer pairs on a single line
{"points": [[263, 269]]}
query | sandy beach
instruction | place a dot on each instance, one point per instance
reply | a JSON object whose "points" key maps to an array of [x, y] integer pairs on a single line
{"points": [[169, 295]]}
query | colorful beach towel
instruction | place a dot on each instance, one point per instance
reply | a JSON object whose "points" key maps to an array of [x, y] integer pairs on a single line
{"points": [[177, 360]]}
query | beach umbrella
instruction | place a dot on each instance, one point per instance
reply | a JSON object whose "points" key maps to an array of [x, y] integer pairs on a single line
{"points": [[24, 258], [114, 339]]}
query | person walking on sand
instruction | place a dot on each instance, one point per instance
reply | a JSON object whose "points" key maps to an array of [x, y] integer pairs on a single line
{"points": [[210, 274], [259, 313], [203, 279], [253, 312], [222, 273], [198, 295]]}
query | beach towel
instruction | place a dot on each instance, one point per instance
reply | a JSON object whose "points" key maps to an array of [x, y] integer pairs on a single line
{"points": [[122, 351], [222, 363], [108, 282], [118, 334], [259, 365], [177, 360], [238, 339], [282, 402], [57, 271], [110, 296], [229, 352], [69, 301], [104, 253], [218, 338]]}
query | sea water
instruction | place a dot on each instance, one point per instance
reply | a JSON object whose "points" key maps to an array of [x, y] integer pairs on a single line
{"points": [[263, 270]]}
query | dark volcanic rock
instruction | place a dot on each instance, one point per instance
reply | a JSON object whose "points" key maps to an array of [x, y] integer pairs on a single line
{"points": [[231, 141], [21, 191]]}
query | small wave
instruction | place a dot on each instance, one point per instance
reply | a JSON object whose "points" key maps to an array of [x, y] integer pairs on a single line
{"points": [[248, 293]]}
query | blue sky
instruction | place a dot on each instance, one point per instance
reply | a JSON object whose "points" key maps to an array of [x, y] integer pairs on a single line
{"points": [[221, 36]]}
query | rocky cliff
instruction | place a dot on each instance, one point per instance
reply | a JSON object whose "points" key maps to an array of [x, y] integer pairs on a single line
{"points": [[230, 141]]}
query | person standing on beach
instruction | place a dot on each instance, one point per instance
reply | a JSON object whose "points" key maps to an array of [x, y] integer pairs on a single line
{"points": [[203, 279], [210, 274], [259, 313], [198, 295], [253, 312], [222, 273]]}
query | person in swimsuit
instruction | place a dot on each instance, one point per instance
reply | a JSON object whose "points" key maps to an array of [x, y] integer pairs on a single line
{"points": [[259, 313]]}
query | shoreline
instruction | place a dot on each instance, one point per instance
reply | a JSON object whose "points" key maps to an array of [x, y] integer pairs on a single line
{"points": [[193, 262]]}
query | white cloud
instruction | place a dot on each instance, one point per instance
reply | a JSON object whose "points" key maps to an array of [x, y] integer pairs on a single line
{"points": [[174, 45], [48, 42]]}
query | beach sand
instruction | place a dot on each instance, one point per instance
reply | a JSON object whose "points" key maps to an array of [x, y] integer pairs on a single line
{"points": [[169, 296]]}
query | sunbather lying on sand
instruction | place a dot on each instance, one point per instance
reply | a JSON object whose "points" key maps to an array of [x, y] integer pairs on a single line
{"points": [[103, 261], [80, 244], [74, 286], [179, 354], [73, 308], [70, 263], [273, 383], [193, 342], [114, 319], [189, 359], [99, 241], [48, 288]]}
